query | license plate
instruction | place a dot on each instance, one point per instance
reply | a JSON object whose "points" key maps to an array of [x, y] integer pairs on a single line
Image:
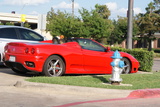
{"points": [[12, 58]]}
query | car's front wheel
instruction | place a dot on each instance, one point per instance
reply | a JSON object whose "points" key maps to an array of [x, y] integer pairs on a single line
{"points": [[54, 66], [127, 66]]}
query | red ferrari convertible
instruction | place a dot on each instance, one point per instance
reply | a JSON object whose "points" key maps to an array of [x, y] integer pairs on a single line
{"points": [[75, 56]]}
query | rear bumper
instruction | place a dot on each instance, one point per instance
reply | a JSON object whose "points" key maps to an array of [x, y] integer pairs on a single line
{"points": [[15, 65], [20, 62]]}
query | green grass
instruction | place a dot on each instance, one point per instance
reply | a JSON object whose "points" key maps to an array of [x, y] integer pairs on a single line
{"points": [[156, 55], [138, 81]]}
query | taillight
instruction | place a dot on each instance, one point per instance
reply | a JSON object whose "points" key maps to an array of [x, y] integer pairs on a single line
{"points": [[32, 51], [27, 50], [6, 48]]}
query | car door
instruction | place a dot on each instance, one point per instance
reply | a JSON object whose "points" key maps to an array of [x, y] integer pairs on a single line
{"points": [[95, 57]]}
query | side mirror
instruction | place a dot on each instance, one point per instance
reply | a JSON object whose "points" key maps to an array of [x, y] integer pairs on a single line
{"points": [[108, 49]]}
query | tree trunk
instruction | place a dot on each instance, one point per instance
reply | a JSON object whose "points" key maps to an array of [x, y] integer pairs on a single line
{"points": [[150, 42], [150, 45]]}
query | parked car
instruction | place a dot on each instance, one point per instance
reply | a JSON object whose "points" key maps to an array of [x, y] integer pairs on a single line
{"points": [[78, 56], [16, 34]]}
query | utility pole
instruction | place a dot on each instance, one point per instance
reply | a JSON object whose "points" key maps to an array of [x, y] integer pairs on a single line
{"points": [[72, 8], [130, 24]]}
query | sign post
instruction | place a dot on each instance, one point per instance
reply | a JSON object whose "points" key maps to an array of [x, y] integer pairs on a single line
{"points": [[42, 22], [23, 19], [130, 24]]}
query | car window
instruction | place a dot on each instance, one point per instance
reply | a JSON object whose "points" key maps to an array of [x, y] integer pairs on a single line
{"points": [[90, 45], [8, 33], [29, 35]]}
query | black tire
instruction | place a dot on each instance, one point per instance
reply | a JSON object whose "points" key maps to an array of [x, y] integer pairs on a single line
{"points": [[127, 65], [18, 71], [54, 66]]}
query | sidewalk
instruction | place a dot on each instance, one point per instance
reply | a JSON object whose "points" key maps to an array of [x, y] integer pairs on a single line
{"points": [[75, 90], [96, 96]]}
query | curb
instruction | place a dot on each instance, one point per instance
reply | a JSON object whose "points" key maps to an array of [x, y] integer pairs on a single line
{"points": [[74, 90], [113, 93], [145, 93]]}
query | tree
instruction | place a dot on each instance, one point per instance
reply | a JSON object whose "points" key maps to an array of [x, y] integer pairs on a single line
{"points": [[62, 23], [119, 33], [1, 23], [156, 4], [96, 23], [27, 25], [9, 23], [103, 11], [149, 22], [92, 24]]}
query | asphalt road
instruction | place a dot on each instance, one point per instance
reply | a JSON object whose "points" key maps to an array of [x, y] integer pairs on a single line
{"points": [[150, 102], [44, 95]]}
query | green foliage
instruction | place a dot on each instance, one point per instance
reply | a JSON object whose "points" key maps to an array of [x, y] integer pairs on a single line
{"points": [[156, 55], [1, 23], [144, 57], [27, 25], [119, 33], [60, 23], [9, 23], [149, 22], [156, 50], [95, 23], [138, 81], [103, 11]]}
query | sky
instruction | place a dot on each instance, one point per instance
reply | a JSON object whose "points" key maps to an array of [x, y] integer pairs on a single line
{"points": [[35, 7]]}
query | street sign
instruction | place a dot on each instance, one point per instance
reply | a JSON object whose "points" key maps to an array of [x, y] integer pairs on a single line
{"points": [[23, 17]]}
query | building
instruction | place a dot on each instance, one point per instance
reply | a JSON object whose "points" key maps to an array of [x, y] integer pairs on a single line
{"points": [[143, 42]]}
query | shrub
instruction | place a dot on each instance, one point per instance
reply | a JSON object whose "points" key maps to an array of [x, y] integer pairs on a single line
{"points": [[156, 50], [156, 55], [144, 57]]}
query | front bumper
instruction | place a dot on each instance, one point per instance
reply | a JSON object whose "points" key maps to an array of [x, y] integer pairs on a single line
{"points": [[135, 66]]}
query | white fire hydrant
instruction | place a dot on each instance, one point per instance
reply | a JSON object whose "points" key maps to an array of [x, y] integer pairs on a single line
{"points": [[117, 67]]}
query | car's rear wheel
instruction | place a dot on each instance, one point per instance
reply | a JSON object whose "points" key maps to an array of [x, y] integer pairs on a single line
{"points": [[18, 71], [54, 66], [127, 66]]}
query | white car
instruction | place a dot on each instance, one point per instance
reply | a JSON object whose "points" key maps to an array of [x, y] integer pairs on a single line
{"points": [[16, 34]]}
